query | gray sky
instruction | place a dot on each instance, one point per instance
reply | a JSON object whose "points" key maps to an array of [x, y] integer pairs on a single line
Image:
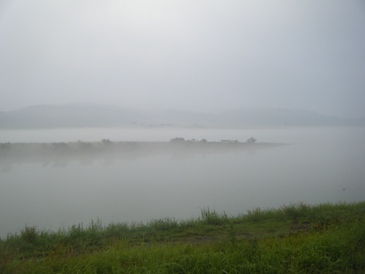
{"points": [[188, 55]]}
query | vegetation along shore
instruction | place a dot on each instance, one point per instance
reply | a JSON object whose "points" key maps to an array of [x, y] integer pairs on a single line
{"points": [[297, 238], [61, 152]]}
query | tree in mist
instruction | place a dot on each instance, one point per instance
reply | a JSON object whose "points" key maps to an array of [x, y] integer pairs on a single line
{"points": [[106, 142], [251, 140], [177, 140], [83, 146]]}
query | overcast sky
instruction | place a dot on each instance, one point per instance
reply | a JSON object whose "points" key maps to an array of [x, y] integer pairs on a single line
{"points": [[187, 55]]}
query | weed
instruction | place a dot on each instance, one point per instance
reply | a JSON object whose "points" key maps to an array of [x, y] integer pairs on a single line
{"points": [[295, 211], [163, 224], [213, 243], [29, 234], [213, 218], [232, 235], [255, 214]]}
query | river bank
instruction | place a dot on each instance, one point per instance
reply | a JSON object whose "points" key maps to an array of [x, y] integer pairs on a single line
{"points": [[295, 238]]}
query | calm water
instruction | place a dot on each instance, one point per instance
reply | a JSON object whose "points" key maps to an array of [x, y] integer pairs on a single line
{"points": [[318, 165]]}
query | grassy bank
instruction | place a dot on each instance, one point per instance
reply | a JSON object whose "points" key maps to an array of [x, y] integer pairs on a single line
{"points": [[325, 238]]}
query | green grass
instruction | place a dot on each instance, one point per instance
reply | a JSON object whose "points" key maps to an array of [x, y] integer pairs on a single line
{"points": [[325, 238]]}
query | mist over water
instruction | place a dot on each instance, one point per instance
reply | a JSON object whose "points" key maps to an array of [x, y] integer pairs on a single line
{"points": [[316, 165]]}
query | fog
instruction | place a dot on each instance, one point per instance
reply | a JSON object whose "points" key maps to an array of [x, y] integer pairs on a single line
{"points": [[55, 185], [139, 73], [185, 55]]}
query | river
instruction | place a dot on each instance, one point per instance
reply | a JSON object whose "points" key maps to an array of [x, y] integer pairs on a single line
{"points": [[315, 165]]}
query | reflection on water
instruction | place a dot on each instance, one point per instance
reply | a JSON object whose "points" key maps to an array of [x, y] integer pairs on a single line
{"points": [[60, 154], [143, 181]]}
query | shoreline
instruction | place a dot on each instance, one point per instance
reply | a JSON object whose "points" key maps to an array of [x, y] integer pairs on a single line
{"points": [[11, 153], [303, 238]]}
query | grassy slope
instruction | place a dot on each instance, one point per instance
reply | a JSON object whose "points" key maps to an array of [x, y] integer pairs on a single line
{"points": [[326, 238]]}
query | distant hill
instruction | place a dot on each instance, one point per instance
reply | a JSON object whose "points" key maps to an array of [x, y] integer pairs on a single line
{"points": [[55, 116], [66, 115], [283, 117]]}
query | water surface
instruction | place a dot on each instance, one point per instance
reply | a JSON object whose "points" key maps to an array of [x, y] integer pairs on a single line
{"points": [[318, 165]]}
